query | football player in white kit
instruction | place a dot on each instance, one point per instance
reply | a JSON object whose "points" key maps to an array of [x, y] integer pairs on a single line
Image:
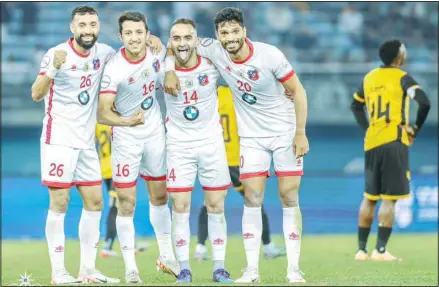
{"points": [[270, 127], [138, 140], [68, 81], [194, 146]]}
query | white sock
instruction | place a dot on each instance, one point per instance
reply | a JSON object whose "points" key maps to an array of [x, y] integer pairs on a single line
{"points": [[126, 234], [160, 217], [292, 226], [55, 239], [89, 238], [252, 232], [181, 235], [217, 230]]}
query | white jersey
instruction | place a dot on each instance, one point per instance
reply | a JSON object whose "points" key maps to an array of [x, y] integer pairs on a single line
{"points": [[193, 115], [262, 109], [134, 83], [71, 103]]}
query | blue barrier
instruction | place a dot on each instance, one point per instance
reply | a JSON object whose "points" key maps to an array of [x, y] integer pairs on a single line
{"points": [[329, 205]]}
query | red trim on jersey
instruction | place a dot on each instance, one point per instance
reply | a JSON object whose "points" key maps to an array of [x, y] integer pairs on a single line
{"points": [[254, 174], [215, 188], [49, 110], [288, 76], [125, 184], [87, 183], [289, 173], [70, 41], [180, 189], [56, 184], [153, 178], [108, 92], [250, 45], [122, 51], [41, 73], [190, 69]]}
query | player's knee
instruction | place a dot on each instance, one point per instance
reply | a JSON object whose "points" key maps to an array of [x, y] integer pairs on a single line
{"points": [[253, 198], [289, 200], [126, 206], [181, 206], [59, 202], [94, 204], [387, 207], [215, 204], [159, 199]]}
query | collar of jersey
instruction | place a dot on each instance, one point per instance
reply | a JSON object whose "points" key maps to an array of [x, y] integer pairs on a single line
{"points": [[250, 45], [124, 55], [70, 41], [190, 69]]}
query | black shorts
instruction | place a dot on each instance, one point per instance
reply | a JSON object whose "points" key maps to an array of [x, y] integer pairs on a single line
{"points": [[387, 172], [234, 175]]}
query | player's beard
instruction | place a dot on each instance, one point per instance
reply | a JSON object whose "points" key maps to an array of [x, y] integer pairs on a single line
{"points": [[240, 43], [86, 45]]}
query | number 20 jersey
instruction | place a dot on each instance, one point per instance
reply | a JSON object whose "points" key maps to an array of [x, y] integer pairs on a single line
{"points": [[134, 83], [71, 104], [262, 110], [193, 116]]}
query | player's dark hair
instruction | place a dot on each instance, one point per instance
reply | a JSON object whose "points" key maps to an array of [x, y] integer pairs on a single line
{"points": [[229, 14], [389, 50], [132, 16], [84, 9], [186, 21]]}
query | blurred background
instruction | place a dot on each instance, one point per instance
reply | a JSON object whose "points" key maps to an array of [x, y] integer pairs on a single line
{"points": [[332, 45]]}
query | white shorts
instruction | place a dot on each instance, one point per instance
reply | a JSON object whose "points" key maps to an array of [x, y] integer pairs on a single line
{"points": [[209, 159], [256, 155], [63, 166], [129, 158]]}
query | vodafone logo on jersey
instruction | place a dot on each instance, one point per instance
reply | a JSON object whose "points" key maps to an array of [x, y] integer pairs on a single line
{"points": [[253, 74], [203, 79]]}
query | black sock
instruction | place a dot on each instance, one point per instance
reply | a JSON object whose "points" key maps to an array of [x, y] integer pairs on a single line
{"points": [[265, 228], [202, 226], [363, 234], [383, 237], [111, 228]]}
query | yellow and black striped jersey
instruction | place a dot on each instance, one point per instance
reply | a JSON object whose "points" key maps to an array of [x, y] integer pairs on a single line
{"points": [[103, 138], [228, 121], [384, 91]]}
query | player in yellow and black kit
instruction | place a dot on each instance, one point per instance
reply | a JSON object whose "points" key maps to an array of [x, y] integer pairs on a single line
{"points": [[386, 92], [231, 140], [103, 139]]}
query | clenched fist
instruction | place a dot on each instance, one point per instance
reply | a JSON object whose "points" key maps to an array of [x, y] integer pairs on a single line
{"points": [[60, 58], [137, 119]]}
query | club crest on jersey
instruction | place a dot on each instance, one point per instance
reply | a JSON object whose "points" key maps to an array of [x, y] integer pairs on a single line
{"points": [[189, 83], [253, 74], [203, 79], [84, 98], [249, 99], [145, 74], [85, 69], [147, 103], [156, 65], [96, 64], [191, 113]]}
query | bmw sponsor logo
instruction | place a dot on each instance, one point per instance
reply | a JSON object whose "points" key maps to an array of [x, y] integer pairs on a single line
{"points": [[84, 98], [147, 103], [249, 99], [191, 113]]}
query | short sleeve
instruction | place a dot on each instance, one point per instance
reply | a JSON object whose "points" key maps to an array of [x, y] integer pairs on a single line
{"points": [[207, 48], [46, 62], [280, 66], [359, 94], [109, 81], [409, 85], [109, 54]]}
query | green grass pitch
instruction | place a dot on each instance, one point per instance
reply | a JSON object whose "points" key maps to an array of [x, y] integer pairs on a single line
{"points": [[325, 260]]}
